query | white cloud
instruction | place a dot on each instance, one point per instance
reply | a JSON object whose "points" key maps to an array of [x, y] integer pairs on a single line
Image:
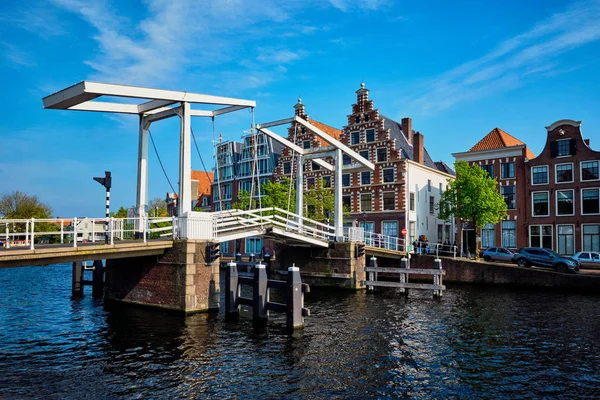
{"points": [[514, 61], [347, 5], [283, 56], [16, 56]]}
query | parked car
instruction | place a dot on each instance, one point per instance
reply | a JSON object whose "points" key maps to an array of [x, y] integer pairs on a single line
{"points": [[540, 257], [588, 259], [498, 254]]}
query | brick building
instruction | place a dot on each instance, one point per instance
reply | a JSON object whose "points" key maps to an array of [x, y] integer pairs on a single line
{"points": [[563, 199], [201, 193], [505, 158], [404, 187]]}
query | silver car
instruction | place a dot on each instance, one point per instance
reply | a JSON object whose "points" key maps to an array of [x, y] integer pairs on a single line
{"points": [[498, 254], [588, 259]]}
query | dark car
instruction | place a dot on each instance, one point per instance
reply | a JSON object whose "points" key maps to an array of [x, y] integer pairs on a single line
{"points": [[540, 257], [498, 254]]}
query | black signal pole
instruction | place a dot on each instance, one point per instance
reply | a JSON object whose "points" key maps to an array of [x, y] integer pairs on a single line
{"points": [[106, 182]]}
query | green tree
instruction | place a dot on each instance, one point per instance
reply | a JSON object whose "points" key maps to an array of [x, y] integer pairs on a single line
{"points": [[18, 205], [157, 207], [472, 196], [275, 194], [319, 202], [121, 213]]}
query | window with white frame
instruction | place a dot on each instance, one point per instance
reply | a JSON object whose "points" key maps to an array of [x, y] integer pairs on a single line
{"points": [[355, 138], [306, 144], [224, 247], [365, 178], [591, 237], [431, 205], [589, 171], [590, 201], [509, 234], [326, 181], [489, 169], [346, 180], [370, 135], [412, 201], [541, 204], [564, 173], [566, 239], [539, 175], [364, 154], [381, 154], [429, 185], [412, 231], [365, 202], [389, 201], [347, 202], [488, 235], [346, 159], [507, 170], [508, 192], [565, 202], [287, 168], [388, 175], [563, 147], [540, 236]]}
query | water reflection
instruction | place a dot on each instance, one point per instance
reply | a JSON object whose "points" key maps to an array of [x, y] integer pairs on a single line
{"points": [[477, 342]]}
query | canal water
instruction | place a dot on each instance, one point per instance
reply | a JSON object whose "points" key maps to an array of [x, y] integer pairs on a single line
{"points": [[477, 342]]}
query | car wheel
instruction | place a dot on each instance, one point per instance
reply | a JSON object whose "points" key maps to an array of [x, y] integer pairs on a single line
{"points": [[562, 268], [487, 258], [522, 263]]}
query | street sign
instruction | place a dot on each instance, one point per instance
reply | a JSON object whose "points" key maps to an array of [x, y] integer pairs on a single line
{"points": [[404, 231]]}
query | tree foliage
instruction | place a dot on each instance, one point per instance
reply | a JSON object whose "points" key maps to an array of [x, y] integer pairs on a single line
{"points": [[121, 213], [275, 194], [472, 196], [18, 205], [157, 207], [319, 201]]}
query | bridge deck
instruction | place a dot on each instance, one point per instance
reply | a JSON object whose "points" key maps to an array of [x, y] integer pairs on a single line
{"points": [[384, 253], [54, 254]]}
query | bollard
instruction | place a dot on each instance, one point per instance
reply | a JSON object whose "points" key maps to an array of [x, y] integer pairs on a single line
{"points": [[294, 298], [260, 295], [238, 257], [98, 280], [252, 258], [372, 275], [404, 277], [76, 282], [437, 279], [232, 291], [267, 260]]}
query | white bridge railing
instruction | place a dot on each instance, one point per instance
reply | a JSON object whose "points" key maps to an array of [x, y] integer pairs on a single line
{"points": [[34, 231]]}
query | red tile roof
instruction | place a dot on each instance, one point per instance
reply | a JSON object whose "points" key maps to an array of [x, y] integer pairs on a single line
{"points": [[204, 179], [498, 139], [331, 131]]}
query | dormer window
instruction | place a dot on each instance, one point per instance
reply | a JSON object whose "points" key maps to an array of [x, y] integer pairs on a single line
{"points": [[366, 117], [357, 120]]}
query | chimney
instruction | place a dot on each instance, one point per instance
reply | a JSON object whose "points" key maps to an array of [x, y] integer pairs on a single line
{"points": [[407, 129], [418, 148], [299, 107]]}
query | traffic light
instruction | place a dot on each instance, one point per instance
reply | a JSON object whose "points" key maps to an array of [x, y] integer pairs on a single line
{"points": [[213, 252], [360, 250]]}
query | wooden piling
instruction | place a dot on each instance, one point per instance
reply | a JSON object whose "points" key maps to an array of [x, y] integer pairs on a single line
{"points": [[404, 277], [260, 295], [294, 299], [232, 291], [98, 280], [77, 278]]}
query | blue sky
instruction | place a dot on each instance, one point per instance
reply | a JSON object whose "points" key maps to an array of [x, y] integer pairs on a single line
{"points": [[458, 69]]}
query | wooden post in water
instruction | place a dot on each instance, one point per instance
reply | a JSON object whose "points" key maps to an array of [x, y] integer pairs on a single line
{"points": [[404, 277], [294, 299], [98, 280], [260, 295], [231, 291], [437, 279], [76, 282], [372, 275]]}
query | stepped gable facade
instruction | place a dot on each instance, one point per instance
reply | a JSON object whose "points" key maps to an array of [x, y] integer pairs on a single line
{"points": [[378, 200], [505, 158]]}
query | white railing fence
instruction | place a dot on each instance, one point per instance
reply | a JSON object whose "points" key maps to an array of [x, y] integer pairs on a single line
{"points": [[33, 231]]}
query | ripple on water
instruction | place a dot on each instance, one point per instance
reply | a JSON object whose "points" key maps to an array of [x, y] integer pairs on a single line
{"points": [[477, 342]]}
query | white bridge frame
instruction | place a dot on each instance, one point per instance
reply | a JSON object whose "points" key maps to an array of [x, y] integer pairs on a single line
{"points": [[317, 154], [157, 104]]}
